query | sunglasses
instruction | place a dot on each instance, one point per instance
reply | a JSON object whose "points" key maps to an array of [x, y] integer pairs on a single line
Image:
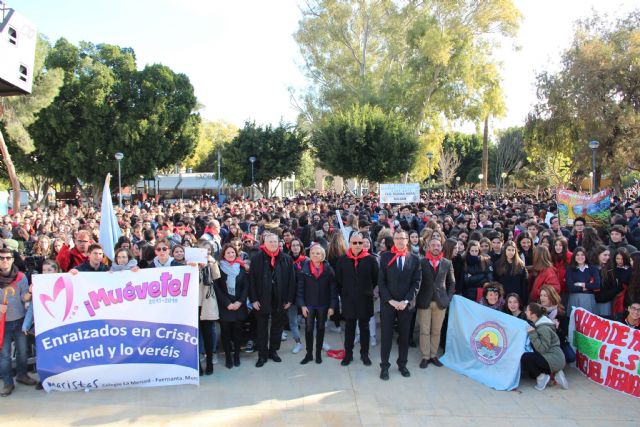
{"points": [[163, 249], [357, 243]]}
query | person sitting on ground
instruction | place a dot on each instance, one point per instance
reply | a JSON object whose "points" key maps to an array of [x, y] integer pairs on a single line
{"points": [[547, 357]]}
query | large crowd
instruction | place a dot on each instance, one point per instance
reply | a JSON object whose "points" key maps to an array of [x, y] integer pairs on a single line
{"points": [[276, 265]]}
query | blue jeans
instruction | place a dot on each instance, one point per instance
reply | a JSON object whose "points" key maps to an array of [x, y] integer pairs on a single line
{"points": [[13, 333], [292, 315]]}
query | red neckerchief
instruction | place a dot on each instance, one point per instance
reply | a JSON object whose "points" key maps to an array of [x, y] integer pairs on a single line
{"points": [[316, 272], [236, 261], [397, 254], [288, 246], [211, 231], [300, 259], [273, 255], [363, 254], [434, 260]]}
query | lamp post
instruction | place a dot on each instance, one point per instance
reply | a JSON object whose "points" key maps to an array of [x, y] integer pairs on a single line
{"points": [[480, 176], [503, 175], [457, 182], [591, 182], [430, 157], [119, 156], [594, 184], [253, 159]]}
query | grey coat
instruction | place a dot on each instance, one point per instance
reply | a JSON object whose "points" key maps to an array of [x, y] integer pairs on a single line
{"points": [[545, 341], [438, 285]]}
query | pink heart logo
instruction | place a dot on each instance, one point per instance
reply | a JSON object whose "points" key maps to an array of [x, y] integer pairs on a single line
{"points": [[62, 284]]}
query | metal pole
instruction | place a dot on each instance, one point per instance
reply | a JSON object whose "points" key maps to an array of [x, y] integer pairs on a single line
{"points": [[219, 176], [594, 183], [253, 184], [119, 186]]}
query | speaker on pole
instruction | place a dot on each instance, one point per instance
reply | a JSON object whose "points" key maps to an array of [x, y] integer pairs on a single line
{"points": [[18, 38]]}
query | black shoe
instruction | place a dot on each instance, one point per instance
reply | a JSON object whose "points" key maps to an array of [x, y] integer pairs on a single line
{"points": [[365, 360], [436, 362], [39, 386], [308, 358], [405, 372], [384, 374], [274, 356], [347, 360], [424, 363], [201, 370], [318, 358], [412, 344], [261, 361], [209, 369], [228, 362], [236, 360], [7, 390]]}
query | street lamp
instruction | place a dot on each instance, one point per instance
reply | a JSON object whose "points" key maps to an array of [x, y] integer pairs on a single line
{"points": [[119, 156], [591, 181], [430, 157], [457, 181], [503, 175], [594, 184], [253, 159]]}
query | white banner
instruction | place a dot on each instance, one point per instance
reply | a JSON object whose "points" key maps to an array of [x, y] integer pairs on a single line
{"points": [[115, 330], [400, 193]]}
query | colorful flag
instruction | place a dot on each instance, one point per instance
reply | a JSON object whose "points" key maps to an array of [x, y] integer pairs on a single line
{"points": [[109, 228], [485, 344]]}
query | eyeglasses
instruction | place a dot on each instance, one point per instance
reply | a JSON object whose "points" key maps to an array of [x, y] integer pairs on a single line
{"points": [[492, 289], [6, 258], [357, 243], [163, 249], [636, 309], [83, 241]]}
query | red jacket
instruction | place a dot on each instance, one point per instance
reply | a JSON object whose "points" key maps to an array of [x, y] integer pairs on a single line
{"points": [[561, 271], [545, 277], [67, 259]]}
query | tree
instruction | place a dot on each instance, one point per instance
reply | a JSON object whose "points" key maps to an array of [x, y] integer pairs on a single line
{"points": [[365, 143], [17, 113], [448, 165], [509, 153], [468, 149], [214, 136], [595, 96], [106, 105], [278, 153]]}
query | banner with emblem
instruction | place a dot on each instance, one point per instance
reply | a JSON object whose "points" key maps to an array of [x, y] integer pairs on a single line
{"points": [[485, 344], [115, 330]]}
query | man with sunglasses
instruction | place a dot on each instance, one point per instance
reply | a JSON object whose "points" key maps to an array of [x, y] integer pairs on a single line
{"points": [[68, 257], [356, 276], [14, 292], [163, 255]]}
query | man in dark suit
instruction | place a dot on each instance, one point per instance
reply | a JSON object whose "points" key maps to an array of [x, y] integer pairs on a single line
{"points": [[437, 289], [399, 282], [356, 276], [272, 288]]}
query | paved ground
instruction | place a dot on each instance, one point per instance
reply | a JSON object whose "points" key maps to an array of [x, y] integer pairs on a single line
{"points": [[328, 394]]}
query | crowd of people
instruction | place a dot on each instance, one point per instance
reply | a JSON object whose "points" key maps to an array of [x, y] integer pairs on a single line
{"points": [[275, 265]]}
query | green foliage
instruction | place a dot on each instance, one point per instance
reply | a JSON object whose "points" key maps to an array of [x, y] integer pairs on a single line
{"points": [[593, 97], [214, 136], [106, 105], [305, 177], [365, 142], [278, 152], [468, 148]]}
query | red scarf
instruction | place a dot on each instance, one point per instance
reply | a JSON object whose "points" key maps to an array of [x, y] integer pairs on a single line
{"points": [[363, 254], [316, 272], [273, 255], [397, 254], [434, 260], [211, 231], [300, 259], [236, 261]]}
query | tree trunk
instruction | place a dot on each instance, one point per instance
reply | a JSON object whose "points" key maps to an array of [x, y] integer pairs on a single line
{"points": [[11, 170], [485, 153]]}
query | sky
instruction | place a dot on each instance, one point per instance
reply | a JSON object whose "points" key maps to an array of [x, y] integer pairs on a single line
{"points": [[241, 57]]}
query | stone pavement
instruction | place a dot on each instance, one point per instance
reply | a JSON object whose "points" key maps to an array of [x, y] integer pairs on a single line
{"points": [[328, 394]]}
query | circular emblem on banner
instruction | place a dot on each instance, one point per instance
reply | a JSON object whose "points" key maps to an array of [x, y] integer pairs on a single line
{"points": [[489, 342]]}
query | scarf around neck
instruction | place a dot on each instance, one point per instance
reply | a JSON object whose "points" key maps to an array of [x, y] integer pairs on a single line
{"points": [[157, 262], [232, 270], [316, 272], [272, 255], [434, 260], [397, 253], [10, 277], [363, 254]]}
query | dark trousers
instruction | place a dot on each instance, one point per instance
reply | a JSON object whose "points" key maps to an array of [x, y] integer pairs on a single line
{"points": [[350, 336], [273, 335], [534, 364], [231, 332], [388, 315], [13, 334], [316, 319], [206, 329]]}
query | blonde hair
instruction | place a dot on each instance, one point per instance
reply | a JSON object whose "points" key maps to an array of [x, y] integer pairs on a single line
{"points": [[319, 248]]}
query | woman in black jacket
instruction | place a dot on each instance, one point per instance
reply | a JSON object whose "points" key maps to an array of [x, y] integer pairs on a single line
{"points": [[511, 272], [477, 271], [317, 298], [231, 291]]}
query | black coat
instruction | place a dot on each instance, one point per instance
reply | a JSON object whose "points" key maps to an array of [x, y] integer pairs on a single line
{"points": [[437, 285], [320, 292], [475, 277], [357, 286], [517, 283], [263, 278], [399, 285], [224, 298]]}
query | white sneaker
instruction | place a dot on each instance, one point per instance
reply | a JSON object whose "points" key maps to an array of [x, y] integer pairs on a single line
{"points": [[325, 346], [373, 342], [357, 340], [562, 380], [215, 358], [542, 381], [297, 348], [284, 335]]}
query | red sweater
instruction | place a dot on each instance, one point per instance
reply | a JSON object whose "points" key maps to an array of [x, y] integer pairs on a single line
{"points": [[561, 271], [69, 258], [545, 277]]}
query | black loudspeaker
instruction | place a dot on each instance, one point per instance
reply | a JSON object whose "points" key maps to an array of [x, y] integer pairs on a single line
{"points": [[18, 39]]}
